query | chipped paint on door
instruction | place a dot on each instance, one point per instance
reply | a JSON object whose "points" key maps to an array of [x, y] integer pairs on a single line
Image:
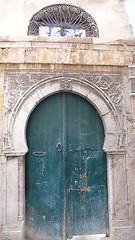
{"points": [[66, 182]]}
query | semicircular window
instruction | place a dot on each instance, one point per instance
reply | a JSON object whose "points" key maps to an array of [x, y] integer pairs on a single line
{"points": [[63, 20]]}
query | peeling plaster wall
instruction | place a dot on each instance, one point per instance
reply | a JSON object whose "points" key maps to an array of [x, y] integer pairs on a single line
{"points": [[110, 16]]}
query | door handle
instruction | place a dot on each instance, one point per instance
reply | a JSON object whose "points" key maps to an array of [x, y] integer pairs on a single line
{"points": [[39, 154], [59, 147]]}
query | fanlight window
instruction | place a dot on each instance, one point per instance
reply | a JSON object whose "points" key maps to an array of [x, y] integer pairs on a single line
{"points": [[63, 20]]}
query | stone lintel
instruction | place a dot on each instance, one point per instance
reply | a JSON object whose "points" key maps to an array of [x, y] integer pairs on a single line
{"points": [[85, 51]]}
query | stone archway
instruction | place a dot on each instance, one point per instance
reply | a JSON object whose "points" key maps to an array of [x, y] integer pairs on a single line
{"points": [[15, 143], [31, 97]]}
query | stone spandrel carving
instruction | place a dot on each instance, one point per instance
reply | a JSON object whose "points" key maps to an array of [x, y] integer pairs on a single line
{"points": [[107, 86], [111, 86], [19, 82]]}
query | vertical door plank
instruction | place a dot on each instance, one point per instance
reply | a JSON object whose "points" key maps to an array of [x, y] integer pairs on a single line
{"points": [[86, 170], [45, 172]]}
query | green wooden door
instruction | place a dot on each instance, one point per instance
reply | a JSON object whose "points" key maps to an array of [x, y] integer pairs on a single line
{"points": [[66, 189]]}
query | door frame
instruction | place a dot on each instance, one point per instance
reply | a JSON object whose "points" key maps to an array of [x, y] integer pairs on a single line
{"points": [[15, 146]]}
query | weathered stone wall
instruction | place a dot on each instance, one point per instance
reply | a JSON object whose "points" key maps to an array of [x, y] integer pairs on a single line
{"points": [[33, 67], [80, 60], [1, 138], [72, 51], [110, 16]]}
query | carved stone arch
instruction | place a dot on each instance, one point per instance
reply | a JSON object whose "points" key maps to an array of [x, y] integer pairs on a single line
{"points": [[63, 20], [24, 90], [37, 92]]}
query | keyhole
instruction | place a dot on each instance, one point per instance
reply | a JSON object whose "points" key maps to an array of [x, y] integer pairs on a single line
{"points": [[59, 147]]}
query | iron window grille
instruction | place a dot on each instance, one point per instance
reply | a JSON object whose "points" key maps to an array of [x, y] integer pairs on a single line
{"points": [[63, 20]]}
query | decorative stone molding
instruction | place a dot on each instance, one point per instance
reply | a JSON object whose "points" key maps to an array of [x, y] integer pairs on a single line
{"points": [[13, 231], [24, 91], [19, 82], [66, 84]]}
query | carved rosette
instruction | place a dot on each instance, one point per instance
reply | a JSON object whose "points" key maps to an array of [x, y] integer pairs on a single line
{"points": [[65, 84]]}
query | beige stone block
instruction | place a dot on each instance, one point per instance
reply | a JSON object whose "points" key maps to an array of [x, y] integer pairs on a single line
{"points": [[91, 57], [12, 191], [128, 56], [74, 57], [40, 55], [63, 56], [30, 55], [85, 57], [12, 55], [111, 58], [45, 55], [121, 211]]}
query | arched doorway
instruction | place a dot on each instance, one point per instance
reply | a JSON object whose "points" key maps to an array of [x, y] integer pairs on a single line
{"points": [[66, 173]]}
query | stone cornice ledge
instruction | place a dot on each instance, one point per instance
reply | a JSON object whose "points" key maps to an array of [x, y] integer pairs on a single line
{"points": [[66, 50], [29, 40]]}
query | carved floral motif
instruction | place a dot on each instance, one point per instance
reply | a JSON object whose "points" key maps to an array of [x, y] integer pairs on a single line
{"points": [[18, 83], [108, 86], [111, 86]]}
